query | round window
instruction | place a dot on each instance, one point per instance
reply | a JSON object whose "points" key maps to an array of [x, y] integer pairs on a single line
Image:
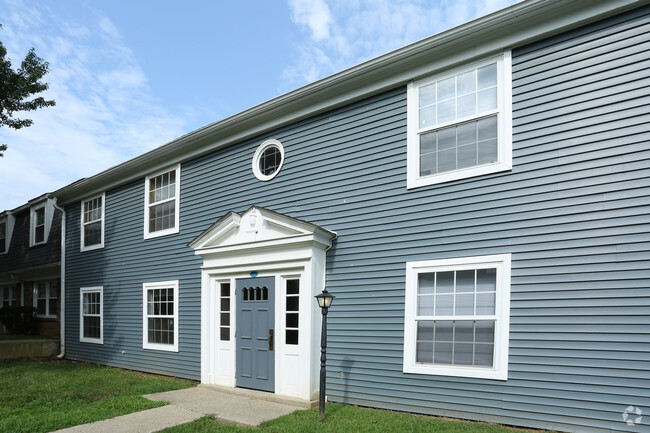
{"points": [[268, 160]]}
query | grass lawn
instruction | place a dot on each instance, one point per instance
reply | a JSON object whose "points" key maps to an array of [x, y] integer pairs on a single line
{"points": [[346, 418], [42, 396]]}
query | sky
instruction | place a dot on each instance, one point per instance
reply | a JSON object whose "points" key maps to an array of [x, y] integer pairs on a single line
{"points": [[129, 76]]}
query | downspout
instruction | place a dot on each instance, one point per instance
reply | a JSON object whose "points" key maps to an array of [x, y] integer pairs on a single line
{"points": [[62, 322]]}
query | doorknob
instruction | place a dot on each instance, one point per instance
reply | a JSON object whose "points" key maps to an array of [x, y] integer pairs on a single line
{"points": [[270, 340]]}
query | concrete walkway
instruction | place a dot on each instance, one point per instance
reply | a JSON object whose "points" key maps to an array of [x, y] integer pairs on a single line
{"points": [[238, 406]]}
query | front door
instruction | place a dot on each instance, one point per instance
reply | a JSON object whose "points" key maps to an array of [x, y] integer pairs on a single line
{"points": [[255, 360]]}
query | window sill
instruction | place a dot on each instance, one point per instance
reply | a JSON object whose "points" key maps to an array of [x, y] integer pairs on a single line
{"points": [[151, 235], [162, 347], [48, 318], [414, 181], [92, 340], [471, 372], [92, 247]]}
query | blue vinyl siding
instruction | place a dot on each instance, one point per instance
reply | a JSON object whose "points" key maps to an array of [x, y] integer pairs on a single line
{"points": [[574, 212]]}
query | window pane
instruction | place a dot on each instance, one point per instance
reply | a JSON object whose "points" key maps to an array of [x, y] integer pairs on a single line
{"points": [[427, 116], [465, 304], [446, 89], [424, 352], [443, 353], [225, 289], [446, 111], [93, 234], [484, 332], [485, 303], [444, 305], [292, 336], [464, 331], [292, 320], [91, 327], [425, 305], [225, 304], [39, 234], [467, 156], [445, 282], [292, 303], [487, 76], [427, 95], [444, 331], [467, 105], [486, 280], [463, 353], [465, 281], [428, 164], [425, 283], [425, 330], [487, 100], [484, 354], [41, 306], [293, 287], [225, 334], [488, 152], [162, 216], [466, 83]]}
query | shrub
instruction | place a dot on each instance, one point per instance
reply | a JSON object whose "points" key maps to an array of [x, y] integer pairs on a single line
{"points": [[18, 320]]}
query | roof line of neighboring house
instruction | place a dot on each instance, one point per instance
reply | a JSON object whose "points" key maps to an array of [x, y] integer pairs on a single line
{"points": [[515, 25], [27, 205]]}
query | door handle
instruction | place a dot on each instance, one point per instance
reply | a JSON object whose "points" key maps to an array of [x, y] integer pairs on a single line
{"points": [[270, 340]]}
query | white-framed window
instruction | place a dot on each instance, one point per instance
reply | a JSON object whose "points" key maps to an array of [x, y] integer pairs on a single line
{"points": [[8, 296], [224, 310], [46, 294], [160, 316], [3, 236], [38, 219], [292, 304], [457, 314], [161, 203], [459, 123], [92, 223], [268, 160], [91, 326]]}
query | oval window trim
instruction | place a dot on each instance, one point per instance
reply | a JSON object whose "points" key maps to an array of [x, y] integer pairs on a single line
{"points": [[261, 151]]}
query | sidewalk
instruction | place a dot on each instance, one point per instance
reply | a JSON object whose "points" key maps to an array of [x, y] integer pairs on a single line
{"points": [[236, 406]]}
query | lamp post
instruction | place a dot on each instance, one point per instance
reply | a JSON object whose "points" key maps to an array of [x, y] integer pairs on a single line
{"points": [[324, 302]]}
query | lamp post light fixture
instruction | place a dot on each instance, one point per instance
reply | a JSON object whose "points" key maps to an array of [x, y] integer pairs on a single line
{"points": [[324, 302]]}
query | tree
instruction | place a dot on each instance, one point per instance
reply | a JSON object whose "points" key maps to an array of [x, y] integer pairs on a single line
{"points": [[17, 87]]}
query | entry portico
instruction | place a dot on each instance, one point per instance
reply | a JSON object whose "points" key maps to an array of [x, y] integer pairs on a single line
{"points": [[260, 325]]}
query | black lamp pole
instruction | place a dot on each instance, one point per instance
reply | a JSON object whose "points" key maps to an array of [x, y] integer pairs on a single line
{"points": [[324, 302]]}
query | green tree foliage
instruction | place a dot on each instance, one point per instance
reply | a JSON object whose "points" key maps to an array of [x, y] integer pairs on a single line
{"points": [[17, 87]]}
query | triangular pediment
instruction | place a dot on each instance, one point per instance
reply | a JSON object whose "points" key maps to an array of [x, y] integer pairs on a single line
{"points": [[255, 226]]}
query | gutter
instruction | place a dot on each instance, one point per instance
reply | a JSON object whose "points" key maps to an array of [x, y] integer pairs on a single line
{"points": [[62, 288]]}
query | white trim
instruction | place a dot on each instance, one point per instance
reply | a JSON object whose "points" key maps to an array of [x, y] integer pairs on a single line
{"points": [[145, 326], [5, 221], [502, 263], [82, 291], [177, 208], [503, 111], [83, 223], [256, 160], [32, 224]]}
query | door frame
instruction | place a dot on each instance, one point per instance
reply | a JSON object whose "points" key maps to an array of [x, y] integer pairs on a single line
{"points": [[264, 243]]}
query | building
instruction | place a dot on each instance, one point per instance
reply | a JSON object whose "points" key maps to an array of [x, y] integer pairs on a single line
{"points": [[478, 202], [30, 261]]}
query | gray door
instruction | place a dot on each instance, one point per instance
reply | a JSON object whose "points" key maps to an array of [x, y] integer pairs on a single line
{"points": [[255, 319]]}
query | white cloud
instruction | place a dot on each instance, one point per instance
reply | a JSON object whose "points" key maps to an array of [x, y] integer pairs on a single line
{"points": [[313, 14], [358, 30], [105, 112]]}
